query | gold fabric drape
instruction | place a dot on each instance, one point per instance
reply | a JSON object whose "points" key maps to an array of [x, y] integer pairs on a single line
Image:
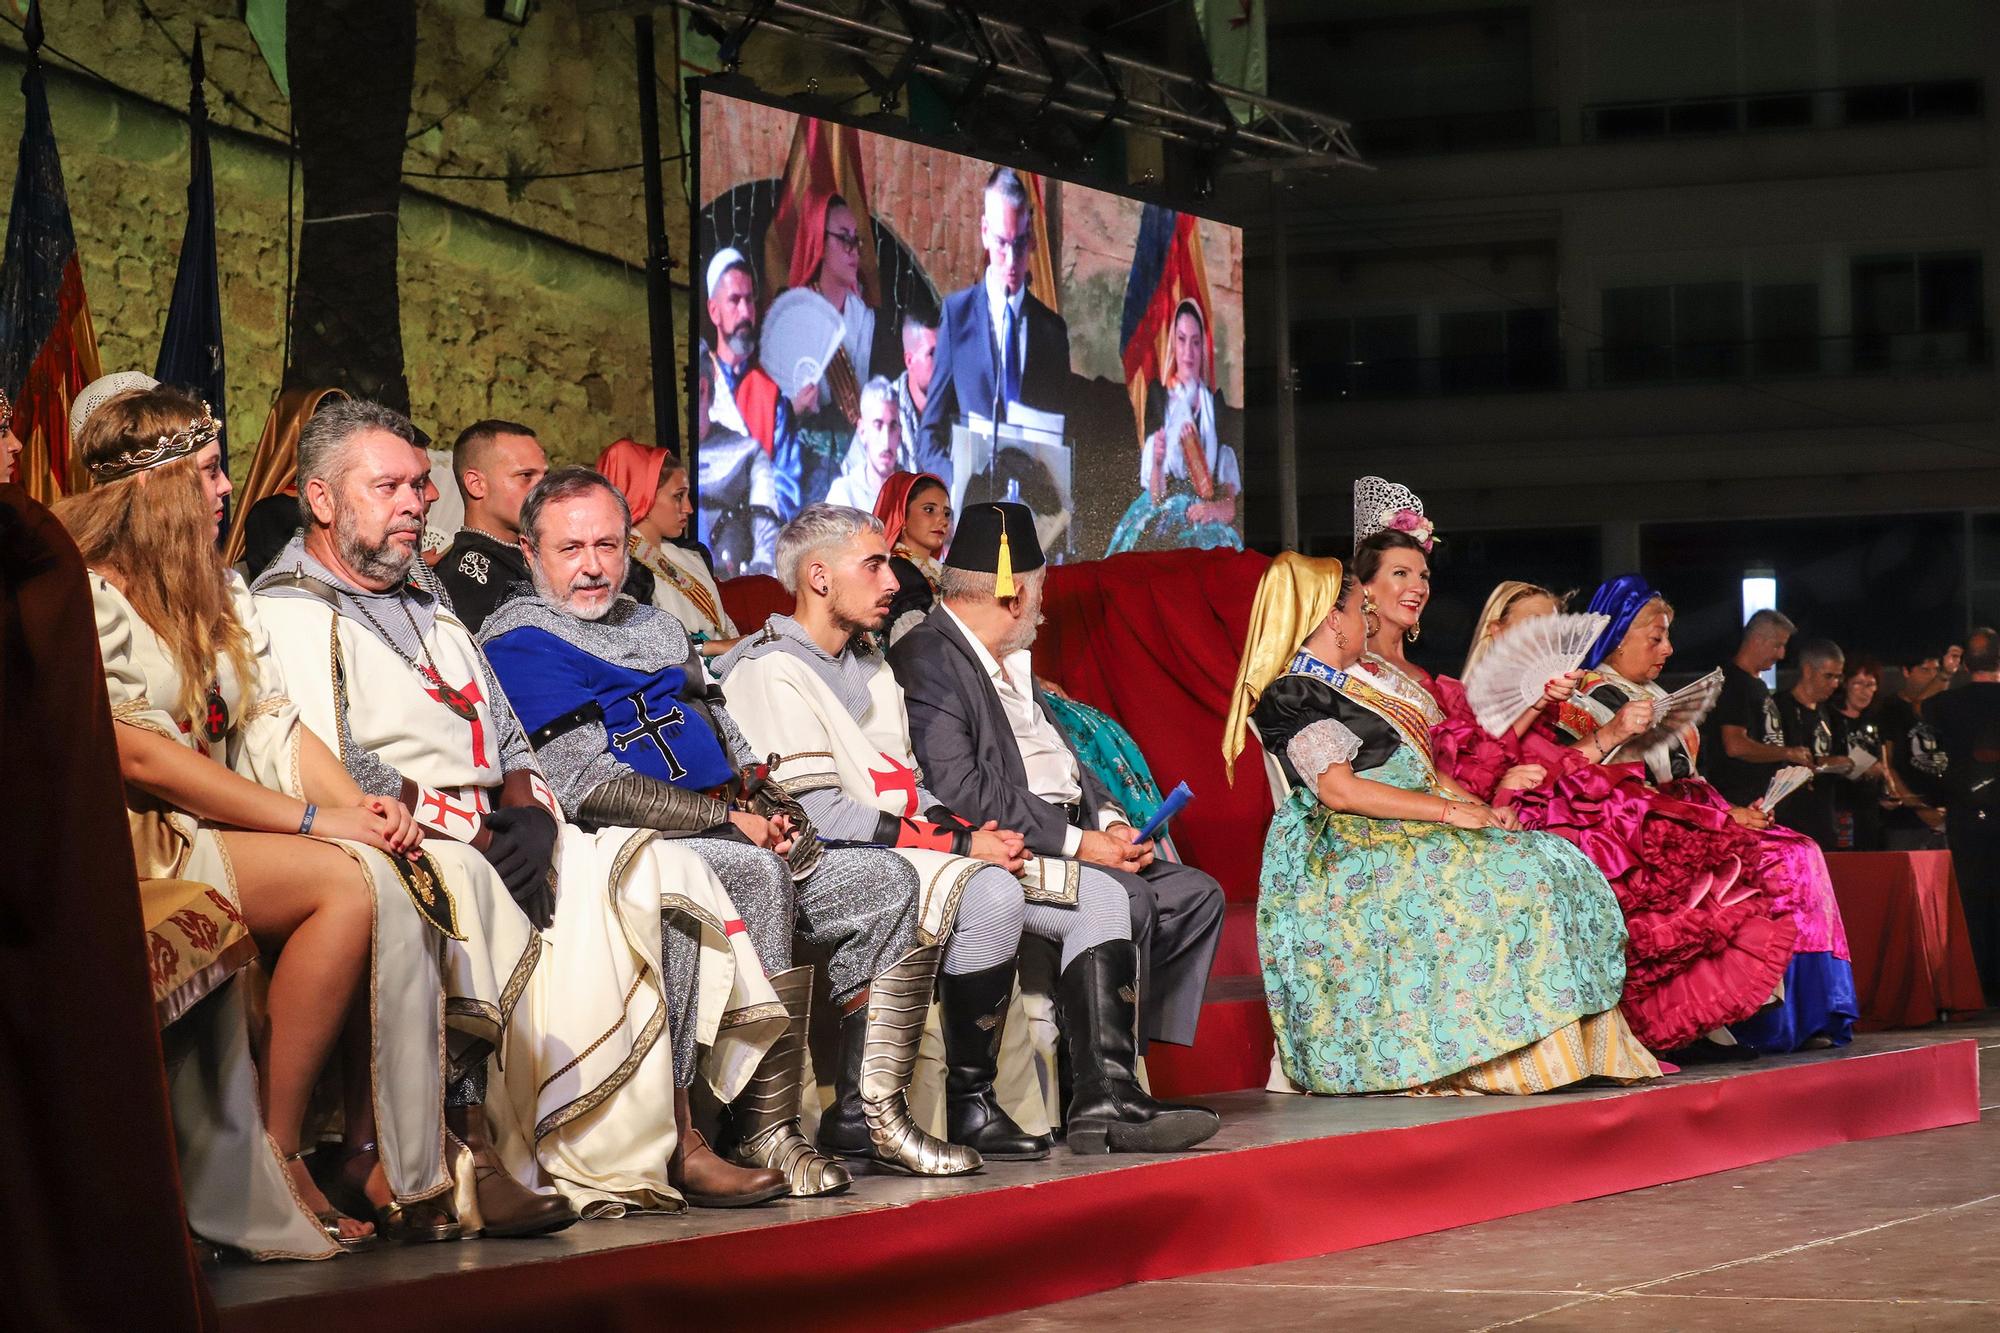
{"points": [[1294, 597], [276, 462]]}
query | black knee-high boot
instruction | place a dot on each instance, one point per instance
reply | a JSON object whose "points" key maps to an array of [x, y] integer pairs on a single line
{"points": [[975, 1016], [1109, 1111]]}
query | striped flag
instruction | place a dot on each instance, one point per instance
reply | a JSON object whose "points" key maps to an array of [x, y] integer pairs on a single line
{"points": [[191, 347], [48, 351], [1167, 268]]}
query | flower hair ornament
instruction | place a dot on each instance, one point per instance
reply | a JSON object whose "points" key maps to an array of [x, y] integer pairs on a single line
{"points": [[190, 439], [1387, 506]]}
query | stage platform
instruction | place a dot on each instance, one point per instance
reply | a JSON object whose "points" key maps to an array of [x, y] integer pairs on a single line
{"points": [[1288, 1177]]}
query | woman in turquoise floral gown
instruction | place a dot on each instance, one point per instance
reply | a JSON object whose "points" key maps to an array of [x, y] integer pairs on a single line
{"points": [[1413, 940]]}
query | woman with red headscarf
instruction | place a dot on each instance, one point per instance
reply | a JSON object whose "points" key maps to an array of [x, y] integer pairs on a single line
{"points": [[654, 483], [915, 509]]}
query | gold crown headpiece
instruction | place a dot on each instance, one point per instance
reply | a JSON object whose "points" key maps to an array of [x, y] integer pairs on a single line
{"points": [[6, 411], [189, 439]]}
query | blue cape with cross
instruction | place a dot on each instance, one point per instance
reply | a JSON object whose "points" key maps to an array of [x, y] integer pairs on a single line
{"points": [[647, 724]]}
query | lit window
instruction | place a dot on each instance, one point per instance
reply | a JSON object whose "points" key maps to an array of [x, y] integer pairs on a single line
{"points": [[1760, 593]]}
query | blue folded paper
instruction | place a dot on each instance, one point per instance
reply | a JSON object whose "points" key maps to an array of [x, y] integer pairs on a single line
{"points": [[1176, 802]]}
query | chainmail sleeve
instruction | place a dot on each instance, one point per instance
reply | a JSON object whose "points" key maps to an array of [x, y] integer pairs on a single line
{"points": [[732, 737], [515, 752]]}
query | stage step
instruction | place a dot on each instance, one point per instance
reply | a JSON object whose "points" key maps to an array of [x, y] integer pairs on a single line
{"points": [[1287, 1178]]}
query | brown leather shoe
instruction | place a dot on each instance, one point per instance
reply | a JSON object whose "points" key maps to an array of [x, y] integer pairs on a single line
{"points": [[706, 1180], [507, 1209]]}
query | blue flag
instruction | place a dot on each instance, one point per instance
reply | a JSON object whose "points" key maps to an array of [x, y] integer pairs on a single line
{"points": [[191, 348]]}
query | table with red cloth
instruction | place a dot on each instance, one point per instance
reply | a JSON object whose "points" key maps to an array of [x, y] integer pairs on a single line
{"points": [[1912, 953]]}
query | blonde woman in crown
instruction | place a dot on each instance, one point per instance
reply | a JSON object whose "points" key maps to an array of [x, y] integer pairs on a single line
{"points": [[222, 784]]}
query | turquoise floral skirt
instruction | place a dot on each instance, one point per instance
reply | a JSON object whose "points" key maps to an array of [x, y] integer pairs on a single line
{"points": [[1397, 953]]}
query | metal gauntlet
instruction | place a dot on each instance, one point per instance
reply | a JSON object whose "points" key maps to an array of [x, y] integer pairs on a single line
{"points": [[769, 797], [637, 801]]}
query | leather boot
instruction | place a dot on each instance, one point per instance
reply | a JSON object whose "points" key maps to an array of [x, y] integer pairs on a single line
{"points": [[705, 1180], [975, 1017], [505, 1207], [880, 1063], [843, 1129], [1109, 1112], [767, 1114]]}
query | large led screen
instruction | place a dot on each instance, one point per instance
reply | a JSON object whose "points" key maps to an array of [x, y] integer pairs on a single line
{"points": [[872, 305]]}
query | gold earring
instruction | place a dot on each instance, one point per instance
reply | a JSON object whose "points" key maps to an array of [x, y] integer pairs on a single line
{"points": [[1371, 624], [1414, 631]]}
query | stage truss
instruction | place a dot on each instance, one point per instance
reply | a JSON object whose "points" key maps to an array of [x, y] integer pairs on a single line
{"points": [[976, 56]]}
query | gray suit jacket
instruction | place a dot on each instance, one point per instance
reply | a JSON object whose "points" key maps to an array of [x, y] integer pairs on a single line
{"points": [[967, 750]]}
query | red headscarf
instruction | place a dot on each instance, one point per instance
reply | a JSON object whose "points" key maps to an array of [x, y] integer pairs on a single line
{"points": [[636, 470], [892, 502]]}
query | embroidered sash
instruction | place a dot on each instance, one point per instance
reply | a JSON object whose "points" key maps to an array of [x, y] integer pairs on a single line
{"points": [[1407, 719]]}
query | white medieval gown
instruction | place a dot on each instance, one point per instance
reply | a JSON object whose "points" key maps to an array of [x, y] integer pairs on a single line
{"points": [[237, 1191]]}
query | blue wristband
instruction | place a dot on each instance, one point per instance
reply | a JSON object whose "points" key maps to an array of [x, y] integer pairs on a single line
{"points": [[306, 824]]}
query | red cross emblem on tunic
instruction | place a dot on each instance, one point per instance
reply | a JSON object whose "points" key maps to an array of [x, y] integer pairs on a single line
{"points": [[470, 694], [440, 809], [900, 777]]}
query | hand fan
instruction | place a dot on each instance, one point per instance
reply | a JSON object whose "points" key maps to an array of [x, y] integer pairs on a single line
{"points": [[1783, 783], [1685, 707], [801, 334], [1510, 677]]}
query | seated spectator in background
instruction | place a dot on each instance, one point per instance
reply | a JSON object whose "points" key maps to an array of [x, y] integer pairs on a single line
{"points": [[872, 454], [496, 463], [629, 733], [677, 576], [747, 401], [1743, 741], [1808, 726], [1967, 722]]}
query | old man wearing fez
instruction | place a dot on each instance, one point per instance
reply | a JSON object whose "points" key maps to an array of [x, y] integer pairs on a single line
{"points": [[555, 962], [992, 751], [630, 732]]}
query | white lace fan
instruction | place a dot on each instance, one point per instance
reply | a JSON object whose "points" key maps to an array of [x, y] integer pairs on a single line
{"points": [[1510, 677], [1686, 707], [801, 334]]}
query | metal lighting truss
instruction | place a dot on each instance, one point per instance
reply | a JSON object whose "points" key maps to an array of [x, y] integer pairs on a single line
{"points": [[979, 55]]}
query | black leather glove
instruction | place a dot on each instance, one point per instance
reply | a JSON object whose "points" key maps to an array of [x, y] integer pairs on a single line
{"points": [[523, 852]]}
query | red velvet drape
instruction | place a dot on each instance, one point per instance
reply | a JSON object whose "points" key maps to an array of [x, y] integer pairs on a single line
{"points": [[92, 1234], [1152, 639]]}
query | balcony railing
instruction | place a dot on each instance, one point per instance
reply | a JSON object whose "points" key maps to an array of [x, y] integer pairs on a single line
{"points": [[1798, 109], [1944, 352]]}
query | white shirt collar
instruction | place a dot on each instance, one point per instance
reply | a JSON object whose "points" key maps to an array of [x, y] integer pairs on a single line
{"points": [[979, 650], [996, 293]]}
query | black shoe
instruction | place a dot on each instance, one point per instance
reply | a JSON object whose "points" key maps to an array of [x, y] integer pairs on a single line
{"points": [[975, 1016], [843, 1129], [1109, 1112]]}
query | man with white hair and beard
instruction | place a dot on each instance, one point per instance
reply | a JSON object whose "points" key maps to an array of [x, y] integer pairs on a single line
{"points": [[990, 749], [747, 400], [583, 1096], [629, 731], [812, 688]]}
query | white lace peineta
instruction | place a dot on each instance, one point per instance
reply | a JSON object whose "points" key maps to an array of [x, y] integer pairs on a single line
{"points": [[1319, 747], [1377, 502]]}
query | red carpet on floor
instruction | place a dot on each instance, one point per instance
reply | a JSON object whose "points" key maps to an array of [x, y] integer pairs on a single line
{"points": [[937, 1261]]}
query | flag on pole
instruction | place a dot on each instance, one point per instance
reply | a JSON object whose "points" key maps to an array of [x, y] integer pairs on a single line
{"points": [[191, 347], [1234, 33], [1167, 268], [48, 350]]}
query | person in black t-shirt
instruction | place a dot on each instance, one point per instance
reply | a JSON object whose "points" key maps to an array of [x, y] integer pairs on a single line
{"points": [[1743, 741], [1808, 726], [497, 463], [1967, 722]]}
